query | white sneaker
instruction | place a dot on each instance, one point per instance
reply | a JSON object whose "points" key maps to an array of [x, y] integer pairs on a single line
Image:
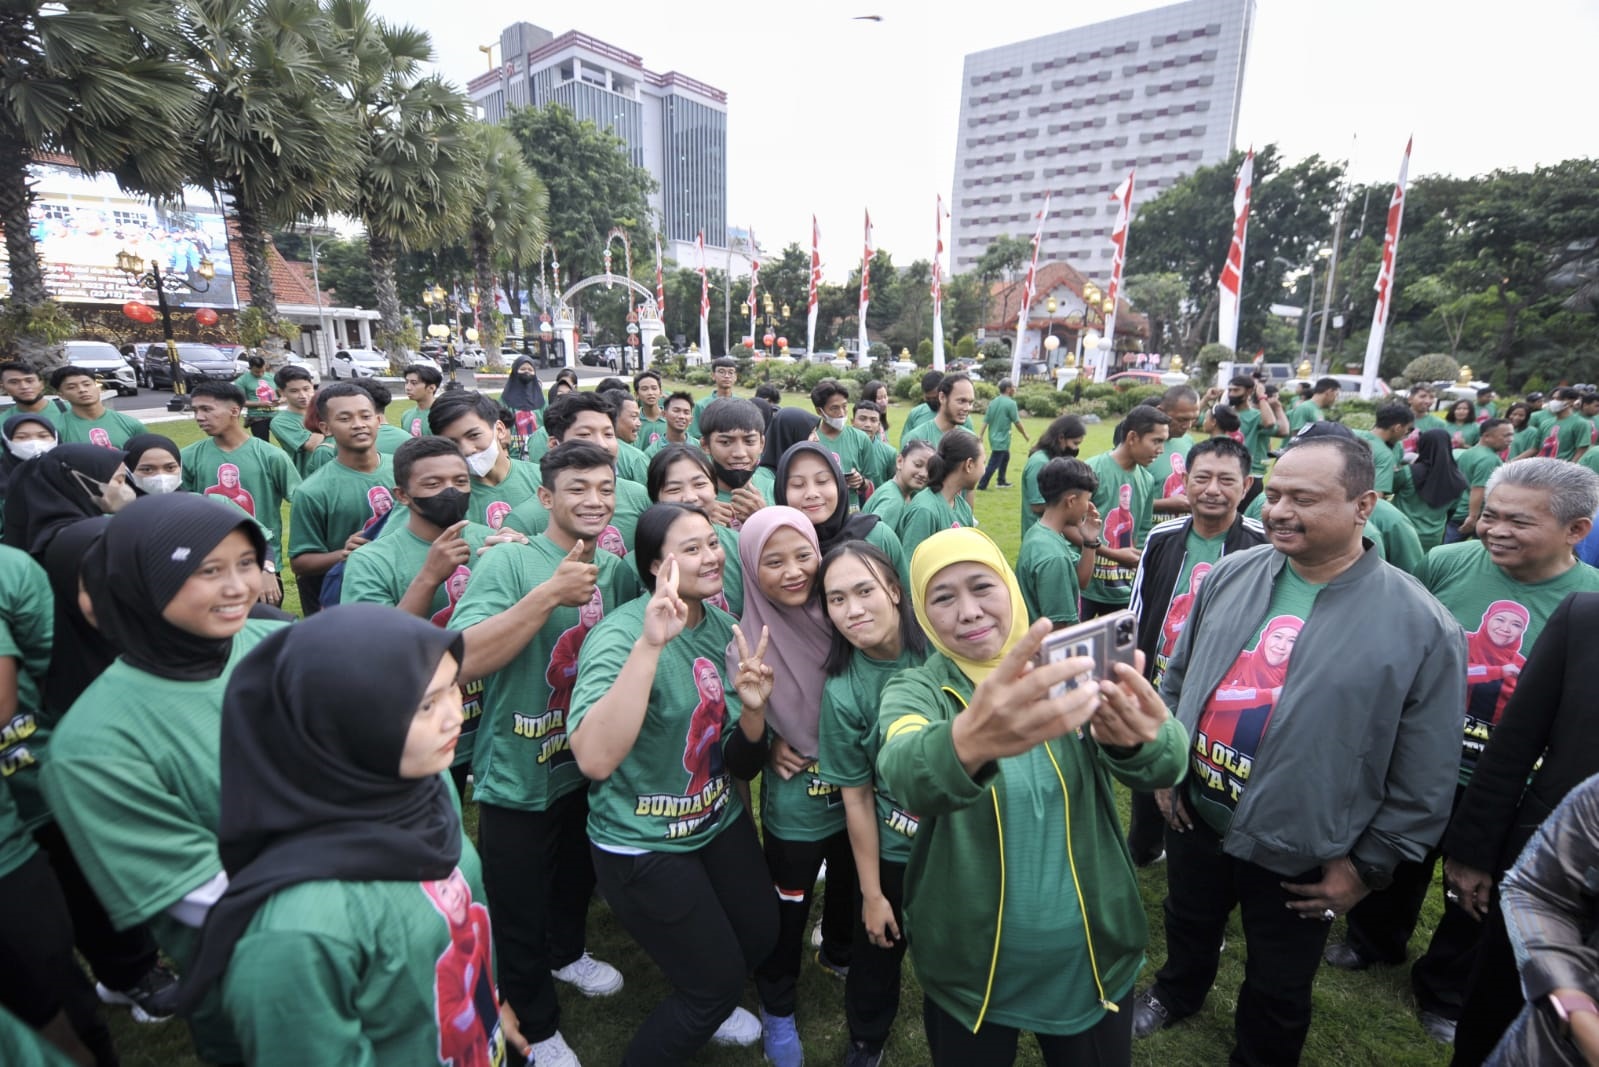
{"points": [[821, 872], [816, 936], [739, 1028], [591, 977], [554, 1052]]}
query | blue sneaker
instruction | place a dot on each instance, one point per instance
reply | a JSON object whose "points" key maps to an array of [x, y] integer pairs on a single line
{"points": [[780, 1040]]}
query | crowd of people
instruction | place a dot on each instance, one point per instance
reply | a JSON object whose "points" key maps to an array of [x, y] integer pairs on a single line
{"points": [[600, 616]]}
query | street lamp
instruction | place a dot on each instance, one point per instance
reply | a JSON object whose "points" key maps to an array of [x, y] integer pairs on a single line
{"points": [[1097, 308], [133, 265], [1051, 342]]}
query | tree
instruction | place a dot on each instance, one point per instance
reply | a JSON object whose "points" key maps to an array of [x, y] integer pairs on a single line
{"points": [[1003, 257], [99, 82], [410, 144], [592, 182], [272, 131], [1160, 298], [509, 205]]}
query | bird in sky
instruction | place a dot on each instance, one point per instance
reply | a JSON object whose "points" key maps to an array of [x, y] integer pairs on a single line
{"points": [[867, 18]]}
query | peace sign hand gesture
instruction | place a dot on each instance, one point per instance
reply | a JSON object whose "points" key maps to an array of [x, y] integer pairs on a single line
{"points": [[754, 679], [666, 614]]}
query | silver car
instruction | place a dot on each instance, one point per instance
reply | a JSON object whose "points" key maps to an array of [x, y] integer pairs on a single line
{"points": [[103, 360]]}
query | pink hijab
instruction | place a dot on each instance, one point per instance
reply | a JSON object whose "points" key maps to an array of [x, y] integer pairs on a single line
{"points": [[800, 637]]}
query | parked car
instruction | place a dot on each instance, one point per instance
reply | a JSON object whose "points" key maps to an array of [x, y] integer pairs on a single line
{"points": [[359, 363], [196, 363], [1128, 378], [1349, 386], [106, 363], [609, 357]]}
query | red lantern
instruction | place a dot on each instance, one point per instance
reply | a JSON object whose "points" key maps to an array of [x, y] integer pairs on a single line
{"points": [[138, 312], [768, 339], [206, 317], [782, 342], [749, 342]]}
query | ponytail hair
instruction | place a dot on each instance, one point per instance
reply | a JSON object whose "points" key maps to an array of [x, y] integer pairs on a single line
{"points": [[955, 448]]}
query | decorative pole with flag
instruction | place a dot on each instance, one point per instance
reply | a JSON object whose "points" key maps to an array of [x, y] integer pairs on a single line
{"points": [[705, 300], [1027, 297], [816, 281], [938, 288], [1118, 260], [755, 282], [1232, 272], [1385, 279], [861, 355]]}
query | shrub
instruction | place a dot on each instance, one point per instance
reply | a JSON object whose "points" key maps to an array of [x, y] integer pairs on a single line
{"points": [[985, 392], [924, 352], [1535, 384], [1122, 401], [966, 347], [1096, 408], [1098, 391], [878, 351], [1435, 367], [697, 376], [994, 350], [1210, 357], [1042, 402], [906, 387]]}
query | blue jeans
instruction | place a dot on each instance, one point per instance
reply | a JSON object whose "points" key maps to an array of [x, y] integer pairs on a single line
{"points": [[998, 460]]}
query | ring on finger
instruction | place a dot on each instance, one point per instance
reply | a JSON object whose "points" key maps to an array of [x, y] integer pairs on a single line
{"points": [[1328, 915]]}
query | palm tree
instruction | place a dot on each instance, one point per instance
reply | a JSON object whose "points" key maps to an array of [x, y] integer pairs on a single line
{"points": [[98, 82], [410, 144], [273, 129], [510, 208]]}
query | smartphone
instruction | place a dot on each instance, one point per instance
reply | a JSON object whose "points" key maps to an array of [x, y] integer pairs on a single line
{"points": [[1107, 640]]}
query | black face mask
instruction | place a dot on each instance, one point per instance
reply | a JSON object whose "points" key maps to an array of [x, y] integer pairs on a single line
{"points": [[733, 479], [444, 508]]}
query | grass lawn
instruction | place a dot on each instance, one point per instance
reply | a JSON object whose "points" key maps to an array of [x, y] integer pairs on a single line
{"points": [[1365, 1018]]}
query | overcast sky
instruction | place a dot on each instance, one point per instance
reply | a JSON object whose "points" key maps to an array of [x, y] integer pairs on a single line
{"points": [[830, 115]]}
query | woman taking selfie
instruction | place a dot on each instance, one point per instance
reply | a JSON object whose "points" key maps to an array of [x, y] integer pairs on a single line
{"points": [[1021, 905], [675, 853]]}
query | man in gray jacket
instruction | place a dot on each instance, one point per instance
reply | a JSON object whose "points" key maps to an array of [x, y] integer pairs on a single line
{"points": [[1326, 722]]}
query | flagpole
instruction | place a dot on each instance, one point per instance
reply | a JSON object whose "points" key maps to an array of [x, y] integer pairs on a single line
{"points": [[862, 348], [1231, 283], [1118, 261], [938, 286], [1027, 297], [1385, 279], [705, 302], [811, 299], [755, 281]]}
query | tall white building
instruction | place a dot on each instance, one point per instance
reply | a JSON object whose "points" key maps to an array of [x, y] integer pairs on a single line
{"points": [[674, 126], [1072, 113]]}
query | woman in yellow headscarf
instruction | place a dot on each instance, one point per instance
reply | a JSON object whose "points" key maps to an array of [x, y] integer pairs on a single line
{"points": [[1021, 907]]}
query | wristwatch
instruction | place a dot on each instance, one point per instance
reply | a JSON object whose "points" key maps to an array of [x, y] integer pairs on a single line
{"points": [[1571, 1004], [1375, 878], [1094, 543]]}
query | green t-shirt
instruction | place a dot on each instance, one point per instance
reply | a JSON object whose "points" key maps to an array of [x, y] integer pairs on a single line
{"points": [[1396, 537], [27, 629], [390, 438], [919, 414], [255, 476], [880, 462], [1236, 715], [699, 407], [929, 430], [1304, 413], [414, 422], [1257, 435], [369, 973], [926, 514], [1502, 619], [805, 807], [1036, 461], [688, 439], [1590, 459], [1562, 440], [27, 1047], [110, 430], [998, 418], [521, 759], [1169, 467], [852, 449], [1199, 556], [538, 443], [1540, 420], [848, 740], [1427, 520], [631, 498], [631, 464], [672, 791], [1126, 503], [1046, 569], [259, 395], [651, 432], [337, 502], [1425, 423], [1463, 436], [491, 505], [1525, 440], [887, 504], [289, 428], [1383, 457], [1476, 463]]}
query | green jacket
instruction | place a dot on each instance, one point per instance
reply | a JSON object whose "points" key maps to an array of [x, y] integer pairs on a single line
{"points": [[955, 881]]}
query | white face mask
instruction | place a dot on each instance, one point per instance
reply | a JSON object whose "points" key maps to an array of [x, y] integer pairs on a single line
{"points": [[832, 423], [480, 463], [156, 484], [29, 449]]}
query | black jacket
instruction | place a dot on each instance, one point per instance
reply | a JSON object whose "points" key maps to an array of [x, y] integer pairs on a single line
{"points": [[1160, 566], [1552, 715]]}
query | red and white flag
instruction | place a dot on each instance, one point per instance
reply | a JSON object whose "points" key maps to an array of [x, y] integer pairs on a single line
{"points": [[660, 283], [861, 357], [938, 287], [1385, 278], [1232, 272], [1027, 295], [705, 300], [816, 284], [1118, 261]]}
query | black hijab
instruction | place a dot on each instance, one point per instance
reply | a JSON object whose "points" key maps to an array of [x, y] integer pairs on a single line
{"points": [[841, 526], [9, 462], [140, 443], [43, 495], [310, 769], [523, 394], [788, 428], [148, 551], [1436, 476], [79, 652]]}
